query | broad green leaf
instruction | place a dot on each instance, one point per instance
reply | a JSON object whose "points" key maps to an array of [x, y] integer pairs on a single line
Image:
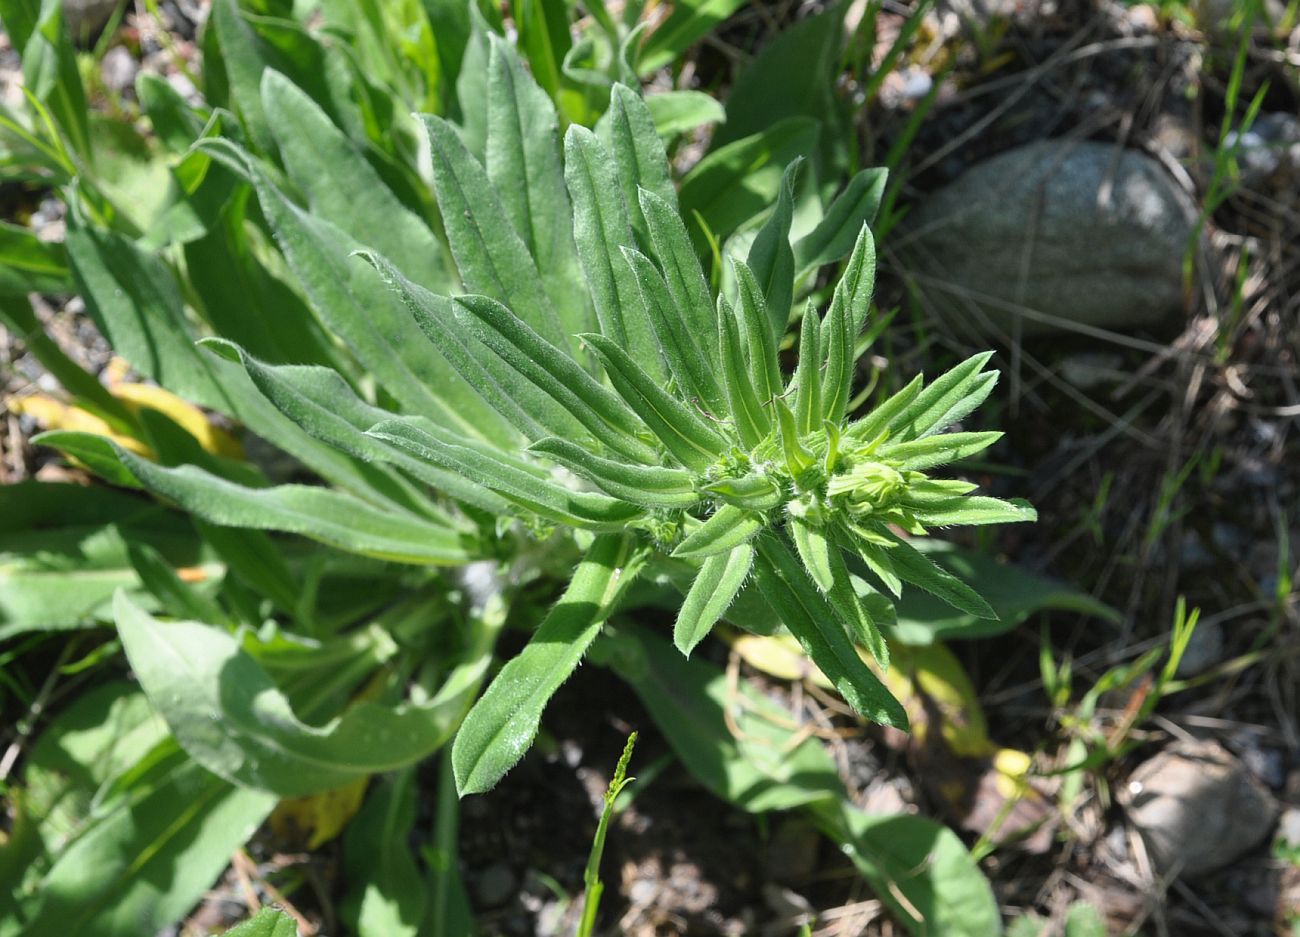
{"points": [[235, 288], [491, 256], [269, 922], [600, 228], [685, 434], [686, 357], [729, 527], [173, 823], [709, 597], [734, 183], [784, 584], [229, 716], [678, 112], [242, 47], [352, 300], [467, 41], [649, 485], [836, 233], [331, 517], [793, 76], [1014, 594], [938, 450], [386, 894], [64, 551], [30, 265], [502, 724], [919, 868], [518, 481], [690, 20], [326, 167], [525, 165], [175, 122], [759, 768], [770, 257], [914, 568], [544, 38]]}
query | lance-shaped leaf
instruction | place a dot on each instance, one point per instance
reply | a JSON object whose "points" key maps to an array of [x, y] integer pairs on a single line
{"points": [[321, 402], [348, 296], [938, 450], [836, 232], [226, 712], [628, 129], [913, 567], [770, 256], [756, 492], [556, 374], [513, 478], [525, 165], [322, 514], [975, 511], [807, 379], [848, 313], [877, 558], [728, 528], [507, 395], [760, 338], [681, 267], [600, 228], [327, 168], [933, 408], [710, 595], [502, 724], [879, 418], [846, 599], [815, 549], [681, 348], [650, 485], [682, 431], [491, 256], [805, 611], [747, 412]]}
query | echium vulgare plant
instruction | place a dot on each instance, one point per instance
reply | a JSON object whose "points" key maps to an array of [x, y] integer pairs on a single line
{"points": [[567, 367]]}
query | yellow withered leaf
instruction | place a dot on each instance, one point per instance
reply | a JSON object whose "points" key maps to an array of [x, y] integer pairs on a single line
{"points": [[311, 821], [55, 414]]}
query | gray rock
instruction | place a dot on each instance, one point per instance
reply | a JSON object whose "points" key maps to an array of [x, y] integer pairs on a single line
{"points": [[1051, 233], [85, 18], [1197, 808], [1204, 650], [496, 885], [119, 68]]}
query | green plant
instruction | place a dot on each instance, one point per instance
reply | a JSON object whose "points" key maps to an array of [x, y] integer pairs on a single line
{"points": [[514, 381]]}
